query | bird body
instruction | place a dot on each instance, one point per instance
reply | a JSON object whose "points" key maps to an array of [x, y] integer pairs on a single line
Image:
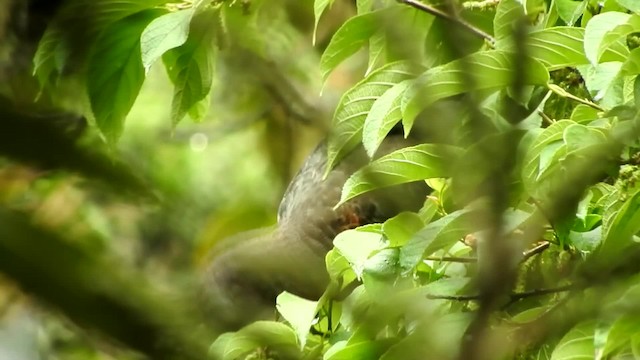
{"points": [[249, 270]]}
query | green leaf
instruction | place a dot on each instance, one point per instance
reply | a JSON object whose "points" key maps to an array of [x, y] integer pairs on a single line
{"points": [[578, 136], [586, 241], [578, 343], [115, 73], [621, 229], [298, 312], [508, 13], [604, 29], [351, 37], [59, 43], [319, 6], [380, 272], [437, 235], [364, 350], [337, 265], [49, 57], [489, 69], [562, 46], [382, 117], [584, 113], [277, 336], [605, 82], [356, 246], [570, 11], [364, 6], [532, 163], [377, 51], [191, 66], [355, 105], [164, 33], [400, 228], [401, 166], [631, 5], [632, 64]]}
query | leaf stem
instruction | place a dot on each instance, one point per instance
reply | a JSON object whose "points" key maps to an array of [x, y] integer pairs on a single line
{"points": [[565, 94]]}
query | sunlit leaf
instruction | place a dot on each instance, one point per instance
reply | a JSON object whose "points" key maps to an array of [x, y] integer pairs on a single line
{"points": [[298, 312], [277, 336], [164, 33], [355, 105], [508, 13], [577, 343], [191, 66], [604, 29], [116, 73], [356, 246], [384, 114], [319, 6], [400, 228], [351, 37], [402, 166], [488, 69], [437, 235]]}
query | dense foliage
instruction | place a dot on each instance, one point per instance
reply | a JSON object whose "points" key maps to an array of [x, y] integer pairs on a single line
{"points": [[527, 114]]}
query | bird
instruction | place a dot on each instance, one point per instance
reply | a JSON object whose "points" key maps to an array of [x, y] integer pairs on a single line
{"points": [[246, 272]]}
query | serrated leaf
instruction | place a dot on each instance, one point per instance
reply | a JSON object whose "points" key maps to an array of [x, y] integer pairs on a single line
{"points": [[48, 59], [437, 235], [164, 33], [377, 51], [604, 29], [351, 37], [563, 46], [354, 106], [382, 117], [578, 343], [620, 229], [508, 13], [402, 166], [115, 72], [59, 44], [531, 161], [489, 69], [298, 312], [191, 66]]}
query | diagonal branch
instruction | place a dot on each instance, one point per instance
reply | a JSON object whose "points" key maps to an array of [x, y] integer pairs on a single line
{"points": [[454, 19]]}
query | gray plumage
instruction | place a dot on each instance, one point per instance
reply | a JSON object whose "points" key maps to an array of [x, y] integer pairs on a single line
{"points": [[247, 271]]}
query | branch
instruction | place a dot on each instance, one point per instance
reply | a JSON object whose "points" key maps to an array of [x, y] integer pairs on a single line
{"points": [[525, 255], [512, 297], [443, 15]]}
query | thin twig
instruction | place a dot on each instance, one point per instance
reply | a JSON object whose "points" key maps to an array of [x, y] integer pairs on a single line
{"points": [[526, 255], [452, 259], [536, 250], [565, 94], [546, 117], [443, 15], [513, 297]]}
